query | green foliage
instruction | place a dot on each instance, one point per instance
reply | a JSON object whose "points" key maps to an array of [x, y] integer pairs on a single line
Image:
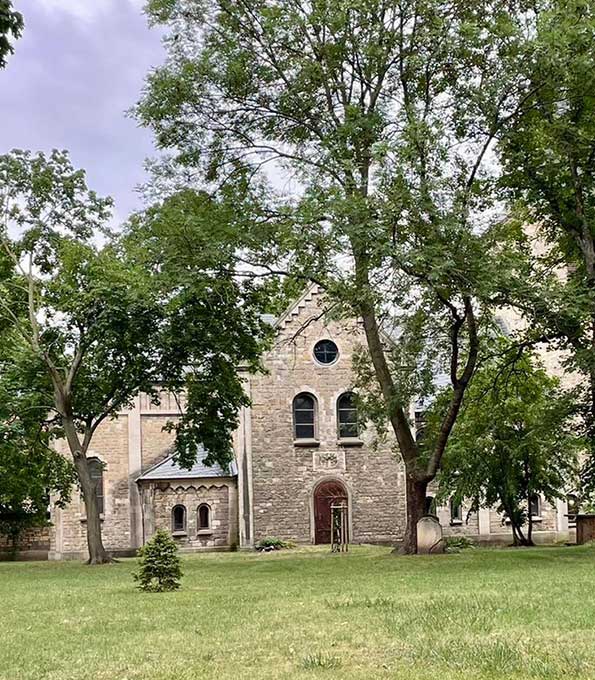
{"points": [[549, 172], [273, 543], [384, 118], [515, 438], [11, 23], [30, 470], [108, 315], [159, 564], [456, 544]]}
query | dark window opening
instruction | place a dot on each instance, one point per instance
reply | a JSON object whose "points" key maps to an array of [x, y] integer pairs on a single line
{"points": [[326, 352], [535, 505], [347, 416], [178, 519], [430, 506], [96, 468], [204, 517], [304, 417], [456, 512], [420, 425]]}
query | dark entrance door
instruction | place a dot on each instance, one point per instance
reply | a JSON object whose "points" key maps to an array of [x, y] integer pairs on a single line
{"points": [[325, 495]]}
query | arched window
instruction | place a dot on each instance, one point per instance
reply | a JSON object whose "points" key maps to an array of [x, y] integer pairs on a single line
{"points": [[347, 416], [178, 519], [456, 512], [204, 516], [304, 416], [430, 505], [535, 505], [96, 468]]}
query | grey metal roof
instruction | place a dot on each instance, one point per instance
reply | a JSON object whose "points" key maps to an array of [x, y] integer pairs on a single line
{"points": [[169, 469], [271, 319]]}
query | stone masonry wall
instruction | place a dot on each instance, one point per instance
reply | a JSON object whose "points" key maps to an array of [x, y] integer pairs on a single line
{"points": [[110, 445], [285, 475], [216, 496], [36, 539]]}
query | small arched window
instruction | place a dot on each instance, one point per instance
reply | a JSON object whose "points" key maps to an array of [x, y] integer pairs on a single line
{"points": [[178, 519], [535, 505], [347, 416], [304, 416], [96, 468], [430, 505], [204, 517], [456, 512]]}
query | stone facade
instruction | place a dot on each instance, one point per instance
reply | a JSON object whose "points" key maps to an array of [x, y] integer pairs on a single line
{"points": [[275, 488], [284, 472]]}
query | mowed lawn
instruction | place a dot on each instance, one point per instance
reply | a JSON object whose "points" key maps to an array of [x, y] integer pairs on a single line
{"points": [[306, 614]]}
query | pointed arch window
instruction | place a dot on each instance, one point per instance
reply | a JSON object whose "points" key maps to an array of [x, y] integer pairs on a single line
{"points": [[204, 517], [347, 416], [304, 416], [178, 519], [96, 468]]}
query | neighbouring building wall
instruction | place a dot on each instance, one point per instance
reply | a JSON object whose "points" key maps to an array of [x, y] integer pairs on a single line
{"points": [[128, 445], [33, 543]]}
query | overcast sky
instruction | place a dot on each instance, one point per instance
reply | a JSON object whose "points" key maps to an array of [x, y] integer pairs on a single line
{"points": [[78, 67]]}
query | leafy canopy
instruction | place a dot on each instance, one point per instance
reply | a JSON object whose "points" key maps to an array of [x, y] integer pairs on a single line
{"points": [[516, 437], [11, 23]]}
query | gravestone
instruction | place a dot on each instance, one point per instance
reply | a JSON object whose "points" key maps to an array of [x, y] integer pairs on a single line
{"points": [[429, 536]]}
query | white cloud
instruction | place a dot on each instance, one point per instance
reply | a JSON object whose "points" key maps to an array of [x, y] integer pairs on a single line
{"points": [[84, 10]]}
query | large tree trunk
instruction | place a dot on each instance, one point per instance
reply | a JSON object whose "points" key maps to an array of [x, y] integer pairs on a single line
{"points": [[97, 553], [416, 506]]}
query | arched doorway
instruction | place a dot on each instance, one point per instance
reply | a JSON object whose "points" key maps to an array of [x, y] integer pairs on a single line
{"points": [[325, 494]]}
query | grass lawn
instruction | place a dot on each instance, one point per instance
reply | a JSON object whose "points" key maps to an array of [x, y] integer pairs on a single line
{"points": [[306, 614]]}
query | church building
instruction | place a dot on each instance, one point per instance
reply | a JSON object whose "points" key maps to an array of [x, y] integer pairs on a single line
{"points": [[299, 448]]}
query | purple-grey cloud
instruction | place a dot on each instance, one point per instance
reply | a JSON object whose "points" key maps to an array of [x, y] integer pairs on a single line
{"points": [[78, 67]]}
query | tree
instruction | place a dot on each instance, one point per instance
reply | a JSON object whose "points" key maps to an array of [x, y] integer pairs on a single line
{"points": [[160, 568], [549, 161], [11, 23], [104, 328], [516, 439], [385, 114], [30, 470]]}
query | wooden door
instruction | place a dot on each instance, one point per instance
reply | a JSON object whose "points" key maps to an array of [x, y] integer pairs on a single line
{"points": [[325, 495]]}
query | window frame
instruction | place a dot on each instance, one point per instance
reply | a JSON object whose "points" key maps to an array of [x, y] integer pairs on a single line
{"points": [[430, 507], [456, 518], [95, 464], [313, 424], [535, 515], [199, 527], [340, 423], [326, 363], [183, 531]]}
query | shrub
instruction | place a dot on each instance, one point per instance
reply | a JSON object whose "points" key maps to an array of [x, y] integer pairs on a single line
{"points": [[272, 543], [455, 544], [159, 564]]}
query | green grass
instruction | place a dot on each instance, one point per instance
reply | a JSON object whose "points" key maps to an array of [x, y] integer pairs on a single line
{"points": [[481, 614]]}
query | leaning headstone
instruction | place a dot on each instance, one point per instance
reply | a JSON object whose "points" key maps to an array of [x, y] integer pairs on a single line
{"points": [[429, 536]]}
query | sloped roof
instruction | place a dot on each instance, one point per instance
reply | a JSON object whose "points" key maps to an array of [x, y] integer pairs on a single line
{"points": [[169, 469]]}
